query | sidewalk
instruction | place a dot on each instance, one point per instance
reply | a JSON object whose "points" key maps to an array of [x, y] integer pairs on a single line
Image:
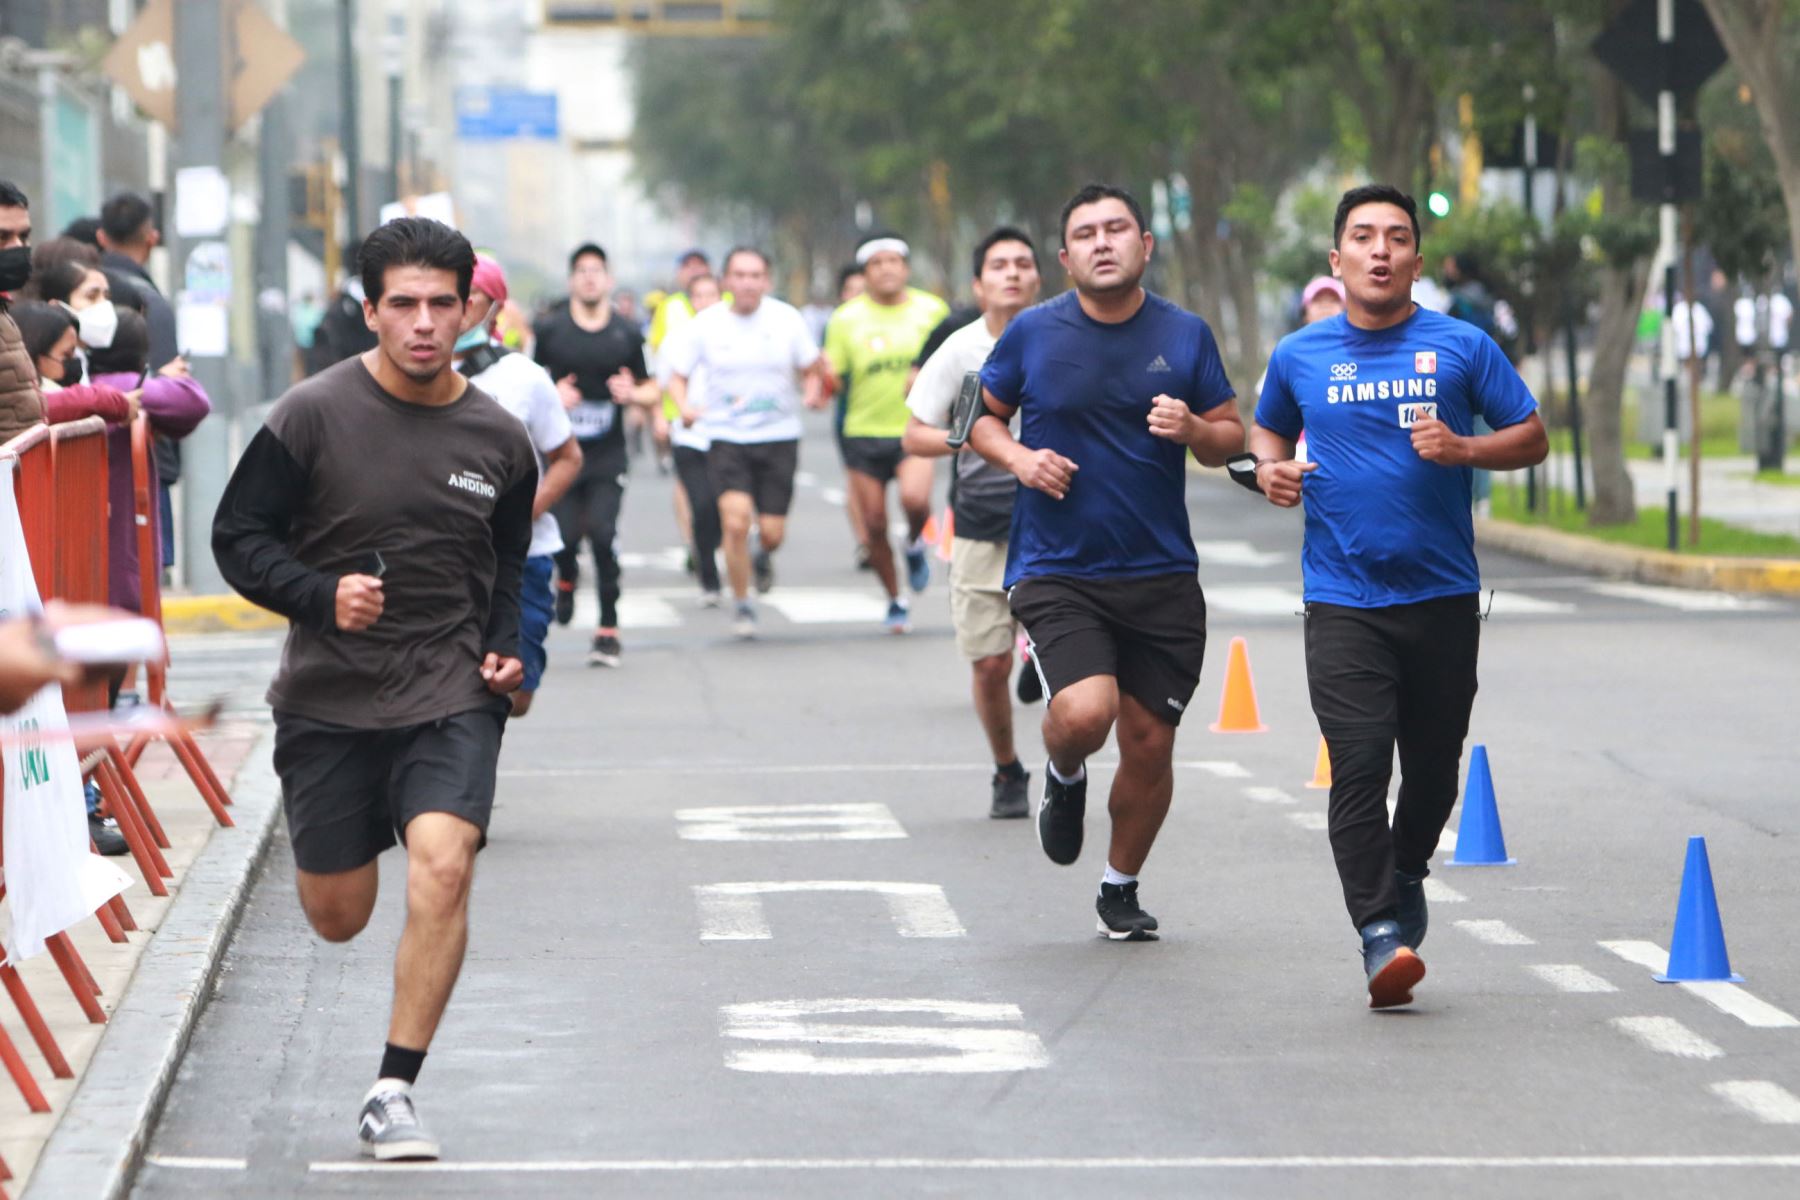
{"points": [[134, 977]]}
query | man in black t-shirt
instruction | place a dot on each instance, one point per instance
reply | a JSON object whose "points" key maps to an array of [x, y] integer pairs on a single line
{"points": [[596, 357]]}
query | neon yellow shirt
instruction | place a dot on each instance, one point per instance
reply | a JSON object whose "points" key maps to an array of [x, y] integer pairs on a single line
{"points": [[871, 347], [674, 309]]}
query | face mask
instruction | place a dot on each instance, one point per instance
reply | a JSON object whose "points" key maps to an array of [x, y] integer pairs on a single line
{"points": [[99, 322], [477, 336], [15, 268], [58, 372]]}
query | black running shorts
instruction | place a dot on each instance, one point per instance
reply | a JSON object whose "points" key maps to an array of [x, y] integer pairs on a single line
{"points": [[1149, 634], [878, 458], [764, 470], [350, 793]]}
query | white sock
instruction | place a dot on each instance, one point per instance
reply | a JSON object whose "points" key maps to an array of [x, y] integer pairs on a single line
{"points": [[387, 1085], [1079, 775], [1117, 878]]}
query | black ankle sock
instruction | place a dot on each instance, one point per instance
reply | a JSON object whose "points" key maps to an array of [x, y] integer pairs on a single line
{"points": [[1012, 770], [397, 1062]]}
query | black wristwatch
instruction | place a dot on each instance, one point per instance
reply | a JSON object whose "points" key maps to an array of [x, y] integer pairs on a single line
{"points": [[1242, 469]]}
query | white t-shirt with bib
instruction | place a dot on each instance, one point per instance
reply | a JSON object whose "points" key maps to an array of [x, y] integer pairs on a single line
{"points": [[749, 370]]}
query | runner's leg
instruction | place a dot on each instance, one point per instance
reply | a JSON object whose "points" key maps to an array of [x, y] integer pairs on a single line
{"points": [[993, 703], [338, 904], [440, 865], [1142, 786], [871, 501], [605, 499], [1078, 719], [736, 511], [703, 501], [914, 476]]}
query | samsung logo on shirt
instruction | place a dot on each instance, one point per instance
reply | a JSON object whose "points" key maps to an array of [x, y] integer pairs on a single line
{"points": [[471, 481], [1380, 389]]}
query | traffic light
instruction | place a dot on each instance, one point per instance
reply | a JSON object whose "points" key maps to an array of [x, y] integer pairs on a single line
{"points": [[1438, 204]]}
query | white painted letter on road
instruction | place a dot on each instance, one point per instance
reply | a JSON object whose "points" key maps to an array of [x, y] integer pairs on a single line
{"points": [[795, 1038], [734, 912], [789, 823]]}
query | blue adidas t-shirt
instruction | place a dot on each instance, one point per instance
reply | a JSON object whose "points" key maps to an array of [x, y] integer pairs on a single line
{"points": [[1083, 389], [1383, 526]]}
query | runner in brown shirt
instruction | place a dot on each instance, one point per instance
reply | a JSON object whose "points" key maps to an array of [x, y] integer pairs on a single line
{"points": [[385, 510]]}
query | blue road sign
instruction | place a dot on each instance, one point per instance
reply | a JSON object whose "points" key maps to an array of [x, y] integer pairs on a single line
{"points": [[492, 113]]}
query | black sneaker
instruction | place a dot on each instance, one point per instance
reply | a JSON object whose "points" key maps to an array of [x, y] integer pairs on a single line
{"points": [[565, 603], [1030, 687], [606, 650], [1012, 796], [1059, 818], [390, 1129], [107, 838], [1120, 917], [1411, 912], [1389, 964], [764, 569]]}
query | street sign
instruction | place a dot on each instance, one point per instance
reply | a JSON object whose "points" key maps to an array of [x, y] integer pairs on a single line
{"points": [[142, 61], [499, 113], [1628, 47]]}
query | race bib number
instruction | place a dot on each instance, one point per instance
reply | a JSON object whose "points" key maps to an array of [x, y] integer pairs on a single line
{"points": [[591, 419], [1412, 414]]}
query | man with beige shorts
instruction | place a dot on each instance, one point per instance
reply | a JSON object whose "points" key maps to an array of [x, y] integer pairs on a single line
{"points": [[981, 501]]}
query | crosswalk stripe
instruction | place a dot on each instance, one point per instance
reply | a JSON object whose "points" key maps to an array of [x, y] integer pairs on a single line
{"points": [[1253, 600], [1684, 599]]}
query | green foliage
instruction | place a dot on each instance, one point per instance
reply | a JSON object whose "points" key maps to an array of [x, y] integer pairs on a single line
{"points": [[1649, 531]]}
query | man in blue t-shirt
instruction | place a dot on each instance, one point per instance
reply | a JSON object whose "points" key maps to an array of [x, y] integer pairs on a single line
{"points": [[1113, 387], [1388, 394]]}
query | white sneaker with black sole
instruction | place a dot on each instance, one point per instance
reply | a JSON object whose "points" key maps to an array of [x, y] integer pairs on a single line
{"points": [[390, 1129]]}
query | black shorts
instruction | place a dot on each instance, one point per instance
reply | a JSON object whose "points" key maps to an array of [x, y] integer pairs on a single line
{"points": [[878, 458], [1149, 634], [350, 793], [765, 470]]}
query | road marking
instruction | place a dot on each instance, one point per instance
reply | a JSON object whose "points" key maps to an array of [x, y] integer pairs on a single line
{"points": [[789, 823], [1442, 893], [1729, 998], [1494, 933], [1567, 977], [1514, 604], [669, 558], [1768, 1102], [828, 606], [1447, 842], [1254, 600], [1236, 554], [965, 1050], [646, 612], [1666, 1035], [185, 1162], [1296, 1162], [833, 495], [735, 912], [1269, 795], [1312, 822], [805, 479], [1683, 599], [1220, 769]]}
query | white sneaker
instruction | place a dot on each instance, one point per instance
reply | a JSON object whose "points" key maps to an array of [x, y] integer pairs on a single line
{"points": [[743, 624], [390, 1129]]}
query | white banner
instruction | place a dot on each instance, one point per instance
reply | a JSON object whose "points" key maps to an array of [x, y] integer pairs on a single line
{"points": [[52, 877]]}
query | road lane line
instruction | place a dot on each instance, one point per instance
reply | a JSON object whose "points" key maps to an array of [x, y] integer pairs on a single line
{"points": [[803, 1031], [1494, 933], [1222, 770], [1253, 600], [1442, 893], [1768, 1102], [1312, 822], [1683, 599], [789, 823], [1666, 1035], [1729, 998], [1297, 1162], [1236, 554], [1269, 795], [188, 1162], [1568, 977], [735, 912]]}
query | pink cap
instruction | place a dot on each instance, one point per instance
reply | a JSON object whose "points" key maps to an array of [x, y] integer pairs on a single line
{"points": [[1317, 284], [489, 280]]}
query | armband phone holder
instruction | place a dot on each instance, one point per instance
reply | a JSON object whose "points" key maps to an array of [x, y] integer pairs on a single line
{"points": [[1242, 469], [966, 411]]}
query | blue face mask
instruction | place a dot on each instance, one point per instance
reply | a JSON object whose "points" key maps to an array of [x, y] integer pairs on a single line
{"points": [[477, 336]]}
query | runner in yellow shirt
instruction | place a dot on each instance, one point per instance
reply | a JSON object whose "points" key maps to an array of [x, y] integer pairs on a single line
{"points": [[870, 344]]}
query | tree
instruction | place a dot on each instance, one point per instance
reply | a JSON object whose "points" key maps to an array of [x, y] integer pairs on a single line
{"points": [[1763, 39]]}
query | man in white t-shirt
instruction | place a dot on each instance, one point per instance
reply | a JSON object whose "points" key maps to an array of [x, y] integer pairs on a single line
{"points": [[981, 502], [525, 390], [757, 356]]}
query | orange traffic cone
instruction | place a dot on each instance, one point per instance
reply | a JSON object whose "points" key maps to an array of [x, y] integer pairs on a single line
{"points": [[929, 534], [947, 536], [1321, 780], [1237, 707]]}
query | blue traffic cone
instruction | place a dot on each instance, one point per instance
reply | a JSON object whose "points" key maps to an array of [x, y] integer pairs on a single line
{"points": [[1479, 842], [1697, 950]]}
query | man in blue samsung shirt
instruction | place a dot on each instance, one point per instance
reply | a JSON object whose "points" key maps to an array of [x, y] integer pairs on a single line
{"points": [[1113, 387], [1388, 394]]}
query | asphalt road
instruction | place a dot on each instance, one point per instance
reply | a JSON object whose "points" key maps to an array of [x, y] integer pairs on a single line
{"points": [[643, 1013]]}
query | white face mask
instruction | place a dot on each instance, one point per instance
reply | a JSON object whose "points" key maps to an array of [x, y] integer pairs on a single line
{"points": [[99, 322]]}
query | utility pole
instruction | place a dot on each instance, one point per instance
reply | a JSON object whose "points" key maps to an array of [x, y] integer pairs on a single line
{"points": [[273, 316], [1667, 252], [1528, 157], [349, 131], [200, 111]]}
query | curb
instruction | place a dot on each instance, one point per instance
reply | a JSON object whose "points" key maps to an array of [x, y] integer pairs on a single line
{"points": [[1779, 576], [228, 613], [98, 1145]]}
